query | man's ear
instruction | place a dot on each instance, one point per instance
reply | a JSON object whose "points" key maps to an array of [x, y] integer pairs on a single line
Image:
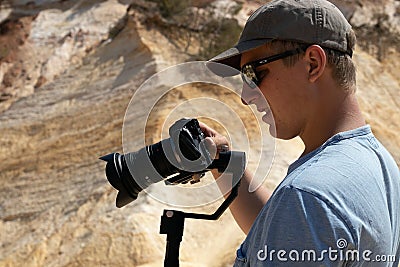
{"points": [[316, 62]]}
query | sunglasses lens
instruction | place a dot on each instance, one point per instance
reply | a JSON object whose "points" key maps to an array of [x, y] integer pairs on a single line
{"points": [[249, 76], [249, 82]]}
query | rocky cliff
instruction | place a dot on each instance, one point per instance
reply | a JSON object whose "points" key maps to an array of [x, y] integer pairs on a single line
{"points": [[68, 71]]}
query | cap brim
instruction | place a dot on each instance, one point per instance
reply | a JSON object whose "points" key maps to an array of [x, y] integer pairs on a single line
{"points": [[231, 57]]}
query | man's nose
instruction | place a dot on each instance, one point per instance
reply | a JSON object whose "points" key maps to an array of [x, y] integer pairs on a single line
{"points": [[249, 95]]}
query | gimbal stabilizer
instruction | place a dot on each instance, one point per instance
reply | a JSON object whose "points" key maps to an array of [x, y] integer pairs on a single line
{"points": [[172, 221], [178, 159]]}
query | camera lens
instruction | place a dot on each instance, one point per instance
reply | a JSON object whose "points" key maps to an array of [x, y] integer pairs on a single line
{"points": [[132, 172], [119, 177], [183, 152], [159, 159]]}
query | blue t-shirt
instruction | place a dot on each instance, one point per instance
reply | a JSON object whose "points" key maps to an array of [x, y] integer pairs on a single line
{"points": [[338, 206]]}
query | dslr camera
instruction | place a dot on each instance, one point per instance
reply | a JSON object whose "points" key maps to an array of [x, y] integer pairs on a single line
{"points": [[181, 158]]}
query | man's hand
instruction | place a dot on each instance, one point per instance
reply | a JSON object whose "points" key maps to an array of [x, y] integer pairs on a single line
{"points": [[215, 141]]}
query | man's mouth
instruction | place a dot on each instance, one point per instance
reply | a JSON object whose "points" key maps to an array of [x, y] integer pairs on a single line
{"points": [[266, 110]]}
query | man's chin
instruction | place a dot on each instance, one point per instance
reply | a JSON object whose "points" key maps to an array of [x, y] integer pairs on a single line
{"points": [[279, 134], [271, 123]]}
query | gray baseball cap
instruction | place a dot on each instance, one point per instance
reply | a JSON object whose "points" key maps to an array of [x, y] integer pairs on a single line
{"points": [[305, 21]]}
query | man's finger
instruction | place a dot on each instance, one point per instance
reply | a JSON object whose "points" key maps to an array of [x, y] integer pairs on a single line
{"points": [[208, 131], [211, 146]]}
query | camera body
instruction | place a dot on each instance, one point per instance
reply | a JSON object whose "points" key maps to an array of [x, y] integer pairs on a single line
{"points": [[183, 155]]}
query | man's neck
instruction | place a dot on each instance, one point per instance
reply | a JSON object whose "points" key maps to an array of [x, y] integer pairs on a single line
{"points": [[331, 119]]}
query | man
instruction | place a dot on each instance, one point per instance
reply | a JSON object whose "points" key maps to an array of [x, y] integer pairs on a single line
{"points": [[339, 203]]}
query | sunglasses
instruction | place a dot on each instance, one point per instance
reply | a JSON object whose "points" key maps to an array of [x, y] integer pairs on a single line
{"points": [[249, 73]]}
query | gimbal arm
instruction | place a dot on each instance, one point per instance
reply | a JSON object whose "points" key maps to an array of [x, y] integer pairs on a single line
{"points": [[172, 221]]}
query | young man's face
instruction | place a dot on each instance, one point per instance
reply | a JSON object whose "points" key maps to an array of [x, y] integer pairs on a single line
{"points": [[285, 89]]}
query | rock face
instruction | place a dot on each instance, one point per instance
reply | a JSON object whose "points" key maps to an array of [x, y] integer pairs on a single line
{"points": [[68, 71]]}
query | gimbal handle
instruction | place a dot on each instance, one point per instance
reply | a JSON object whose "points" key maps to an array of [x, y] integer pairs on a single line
{"points": [[172, 221]]}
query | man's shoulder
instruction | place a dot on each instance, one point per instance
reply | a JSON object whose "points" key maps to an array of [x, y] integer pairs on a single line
{"points": [[348, 171], [360, 160], [353, 177]]}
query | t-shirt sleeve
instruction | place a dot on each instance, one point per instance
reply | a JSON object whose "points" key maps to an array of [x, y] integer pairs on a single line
{"points": [[301, 229]]}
